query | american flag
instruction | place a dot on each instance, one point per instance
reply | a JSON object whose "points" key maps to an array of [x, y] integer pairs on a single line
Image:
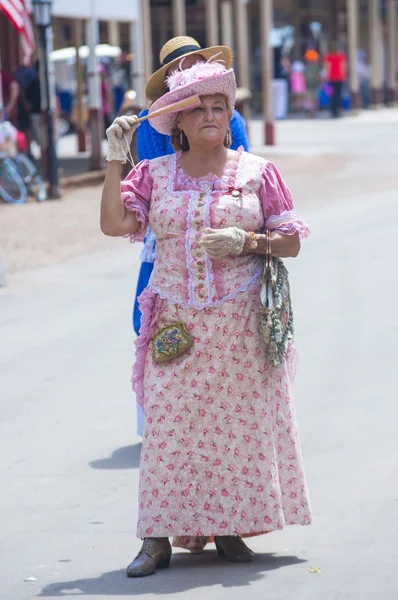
{"points": [[16, 11]]}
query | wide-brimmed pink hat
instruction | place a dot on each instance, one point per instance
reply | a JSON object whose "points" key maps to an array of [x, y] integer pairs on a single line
{"points": [[204, 79]]}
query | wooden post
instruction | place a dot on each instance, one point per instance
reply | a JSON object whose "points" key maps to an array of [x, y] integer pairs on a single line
{"points": [[179, 18], [212, 23], [266, 17], [113, 33], [137, 67], [374, 39], [353, 22], [162, 25], [147, 37], [242, 38], [242, 35], [227, 30], [79, 120], [1, 90], [333, 22], [391, 52], [94, 91], [297, 30]]}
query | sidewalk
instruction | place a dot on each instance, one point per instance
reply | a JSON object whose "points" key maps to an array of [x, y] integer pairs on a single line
{"points": [[315, 137]]}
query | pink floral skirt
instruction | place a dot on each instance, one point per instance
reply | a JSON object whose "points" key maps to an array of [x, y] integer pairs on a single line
{"points": [[220, 451]]}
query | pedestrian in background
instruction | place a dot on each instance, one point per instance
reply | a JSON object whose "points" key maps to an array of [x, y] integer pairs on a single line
{"points": [[363, 70], [24, 76], [34, 98], [335, 63], [29, 104], [179, 52], [297, 85], [312, 75]]}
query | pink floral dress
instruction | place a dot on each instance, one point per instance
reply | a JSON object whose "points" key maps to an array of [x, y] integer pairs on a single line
{"points": [[220, 451]]}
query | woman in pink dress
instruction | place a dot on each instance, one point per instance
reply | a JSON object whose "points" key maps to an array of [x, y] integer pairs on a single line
{"points": [[220, 454]]}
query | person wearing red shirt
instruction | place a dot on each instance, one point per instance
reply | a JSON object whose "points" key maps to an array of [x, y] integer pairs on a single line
{"points": [[335, 63]]}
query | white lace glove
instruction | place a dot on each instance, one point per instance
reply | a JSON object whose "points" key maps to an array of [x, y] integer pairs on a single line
{"points": [[221, 242], [119, 135]]}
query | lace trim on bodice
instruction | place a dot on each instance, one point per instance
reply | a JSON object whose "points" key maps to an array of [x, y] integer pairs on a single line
{"points": [[180, 181]]}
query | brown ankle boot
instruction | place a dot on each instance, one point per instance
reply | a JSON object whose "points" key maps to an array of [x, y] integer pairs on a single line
{"points": [[155, 554], [233, 548]]}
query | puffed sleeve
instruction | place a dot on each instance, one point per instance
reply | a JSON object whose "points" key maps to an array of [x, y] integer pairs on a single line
{"points": [[278, 206], [136, 195]]}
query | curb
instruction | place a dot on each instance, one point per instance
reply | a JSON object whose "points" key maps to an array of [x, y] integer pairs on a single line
{"points": [[82, 180]]}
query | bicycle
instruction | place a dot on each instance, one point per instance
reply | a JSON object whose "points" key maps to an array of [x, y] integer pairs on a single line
{"points": [[19, 176], [31, 177], [19, 179], [12, 186]]}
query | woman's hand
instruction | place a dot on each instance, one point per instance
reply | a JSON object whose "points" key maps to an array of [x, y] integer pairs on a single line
{"points": [[232, 240], [119, 135], [221, 242]]}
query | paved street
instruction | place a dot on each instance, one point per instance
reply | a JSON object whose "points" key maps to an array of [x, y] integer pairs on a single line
{"points": [[69, 452]]}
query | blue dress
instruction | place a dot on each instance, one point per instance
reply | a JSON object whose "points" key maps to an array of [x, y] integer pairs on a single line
{"points": [[151, 144]]}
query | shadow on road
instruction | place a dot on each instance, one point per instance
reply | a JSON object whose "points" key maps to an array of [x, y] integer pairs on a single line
{"points": [[182, 576], [127, 457]]}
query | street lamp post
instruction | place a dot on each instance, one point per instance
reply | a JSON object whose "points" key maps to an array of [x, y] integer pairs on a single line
{"points": [[42, 20]]}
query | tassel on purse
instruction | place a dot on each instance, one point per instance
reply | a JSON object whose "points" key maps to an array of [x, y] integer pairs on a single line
{"points": [[276, 315]]}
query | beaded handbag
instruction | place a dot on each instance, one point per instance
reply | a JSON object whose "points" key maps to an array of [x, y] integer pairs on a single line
{"points": [[170, 342], [276, 315]]}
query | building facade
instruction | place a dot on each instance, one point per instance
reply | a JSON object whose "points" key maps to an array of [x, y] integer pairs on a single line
{"points": [[141, 27], [370, 26]]}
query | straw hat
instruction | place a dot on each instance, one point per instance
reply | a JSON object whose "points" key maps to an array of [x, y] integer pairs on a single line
{"points": [[172, 52], [203, 78]]}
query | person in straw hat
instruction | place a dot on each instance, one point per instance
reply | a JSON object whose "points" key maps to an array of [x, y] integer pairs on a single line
{"points": [[179, 52], [313, 80], [220, 455]]}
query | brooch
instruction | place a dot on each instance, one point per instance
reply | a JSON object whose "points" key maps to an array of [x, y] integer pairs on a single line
{"points": [[235, 192]]}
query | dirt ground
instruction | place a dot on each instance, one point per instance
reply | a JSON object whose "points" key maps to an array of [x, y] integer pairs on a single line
{"points": [[34, 235]]}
